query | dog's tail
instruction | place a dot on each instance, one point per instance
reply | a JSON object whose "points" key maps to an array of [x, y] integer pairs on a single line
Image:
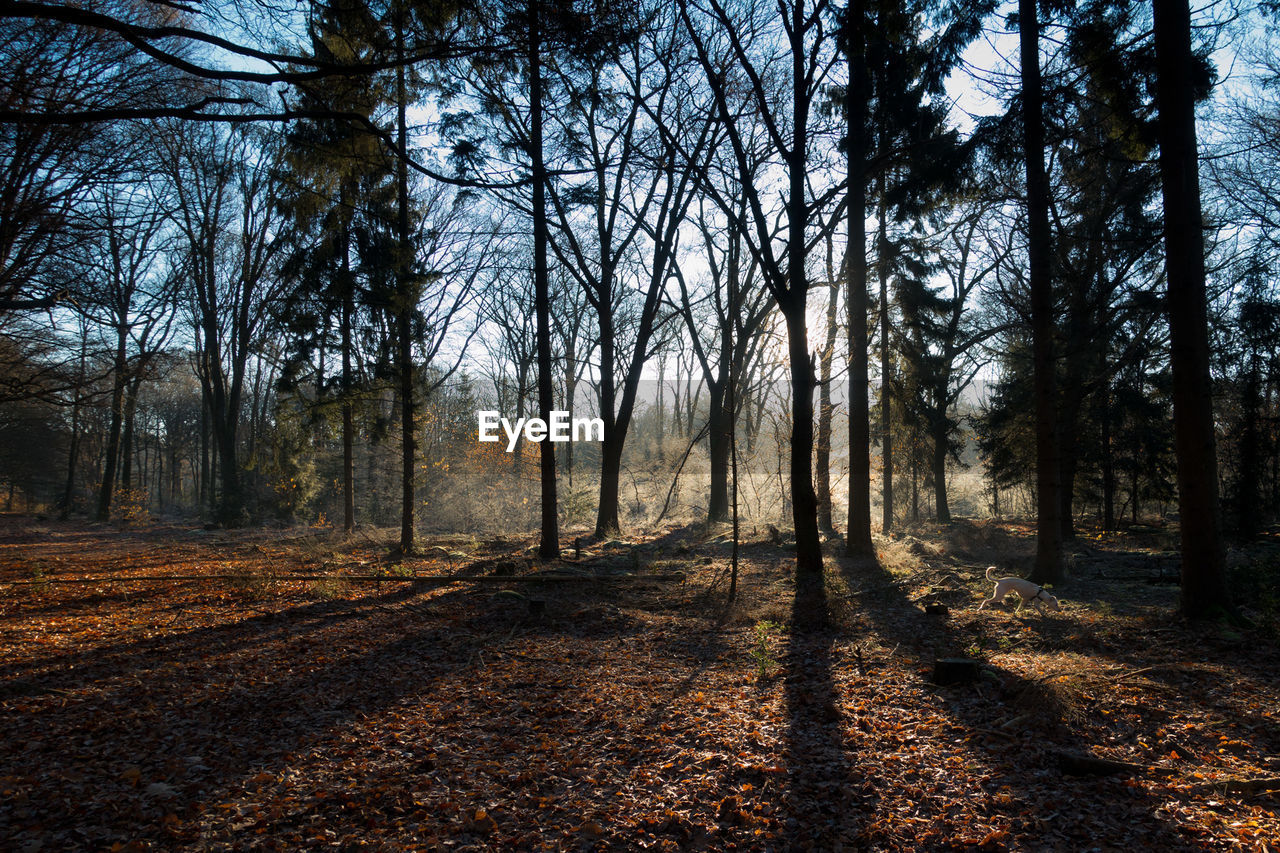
{"points": [[990, 576]]}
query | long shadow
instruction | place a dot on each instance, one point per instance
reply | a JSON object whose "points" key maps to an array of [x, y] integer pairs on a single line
{"points": [[1022, 763], [163, 730], [61, 670], [827, 799]]}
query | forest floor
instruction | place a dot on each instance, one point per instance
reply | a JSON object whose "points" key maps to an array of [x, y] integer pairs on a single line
{"points": [[630, 709]]}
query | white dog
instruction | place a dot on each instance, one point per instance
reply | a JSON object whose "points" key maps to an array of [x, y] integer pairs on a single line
{"points": [[1025, 589]]}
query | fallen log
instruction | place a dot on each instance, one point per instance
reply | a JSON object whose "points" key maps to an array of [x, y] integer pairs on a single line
{"points": [[1083, 764], [1233, 787]]}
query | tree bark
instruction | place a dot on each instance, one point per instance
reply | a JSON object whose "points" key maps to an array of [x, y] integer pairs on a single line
{"points": [[826, 413], [1048, 565], [858, 540], [1204, 586], [886, 422], [348, 425], [941, 507], [119, 378], [718, 437], [73, 452], [804, 506], [611, 449], [404, 326], [549, 545], [132, 389]]}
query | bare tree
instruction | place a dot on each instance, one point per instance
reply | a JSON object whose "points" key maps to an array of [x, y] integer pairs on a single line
{"points": [[778, 69], [129, 295], [225, 214]]}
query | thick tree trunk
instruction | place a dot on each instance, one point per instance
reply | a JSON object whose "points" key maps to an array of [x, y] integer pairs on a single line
{"points": [[132, 388], [804, 501], [230, 499], [549, 545], [1204, 585], [858, 540], [1048, 565], [718, 436], [941, 507], [804, 506], [611, 449]]}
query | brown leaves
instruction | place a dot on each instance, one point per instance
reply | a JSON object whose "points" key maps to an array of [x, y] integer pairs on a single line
{"points": [[192, 718]]}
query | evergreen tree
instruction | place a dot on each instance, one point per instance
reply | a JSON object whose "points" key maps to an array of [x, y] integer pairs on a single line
{"points": [[334, 170]]}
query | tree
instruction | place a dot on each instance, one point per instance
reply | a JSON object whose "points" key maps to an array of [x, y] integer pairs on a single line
{"points": [[897, 68], [225, 215], [1180, 75], [640, 138], [1048, 564], [330, 164], [739, 37], [530, 45], [725, 319], [857, 108], [51, 171], [130, 296], [942, 337]]}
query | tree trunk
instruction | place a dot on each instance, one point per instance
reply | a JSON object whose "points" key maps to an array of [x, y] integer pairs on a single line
{"points": [[230, 511], [858, 541], [1108, 462], [941, 507], [718, 435], [132, 388], [204, 479], [1069, 458], [1251, 460], [406, 296], [570, 389], [549, 545], [886, 429], [611, 449], [826, 412], [804, 500], [1204, 586], [118, 381], [73, 452], [804, 506], [661, 403], [348, 424], [1048, 565]]}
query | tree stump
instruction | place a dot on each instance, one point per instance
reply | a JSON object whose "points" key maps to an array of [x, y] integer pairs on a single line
{"points": [[955, 671]]}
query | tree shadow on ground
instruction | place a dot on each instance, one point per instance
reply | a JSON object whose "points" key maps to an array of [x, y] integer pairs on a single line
{"points": [[1017, 727], [232, 711], [828, 800]]}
